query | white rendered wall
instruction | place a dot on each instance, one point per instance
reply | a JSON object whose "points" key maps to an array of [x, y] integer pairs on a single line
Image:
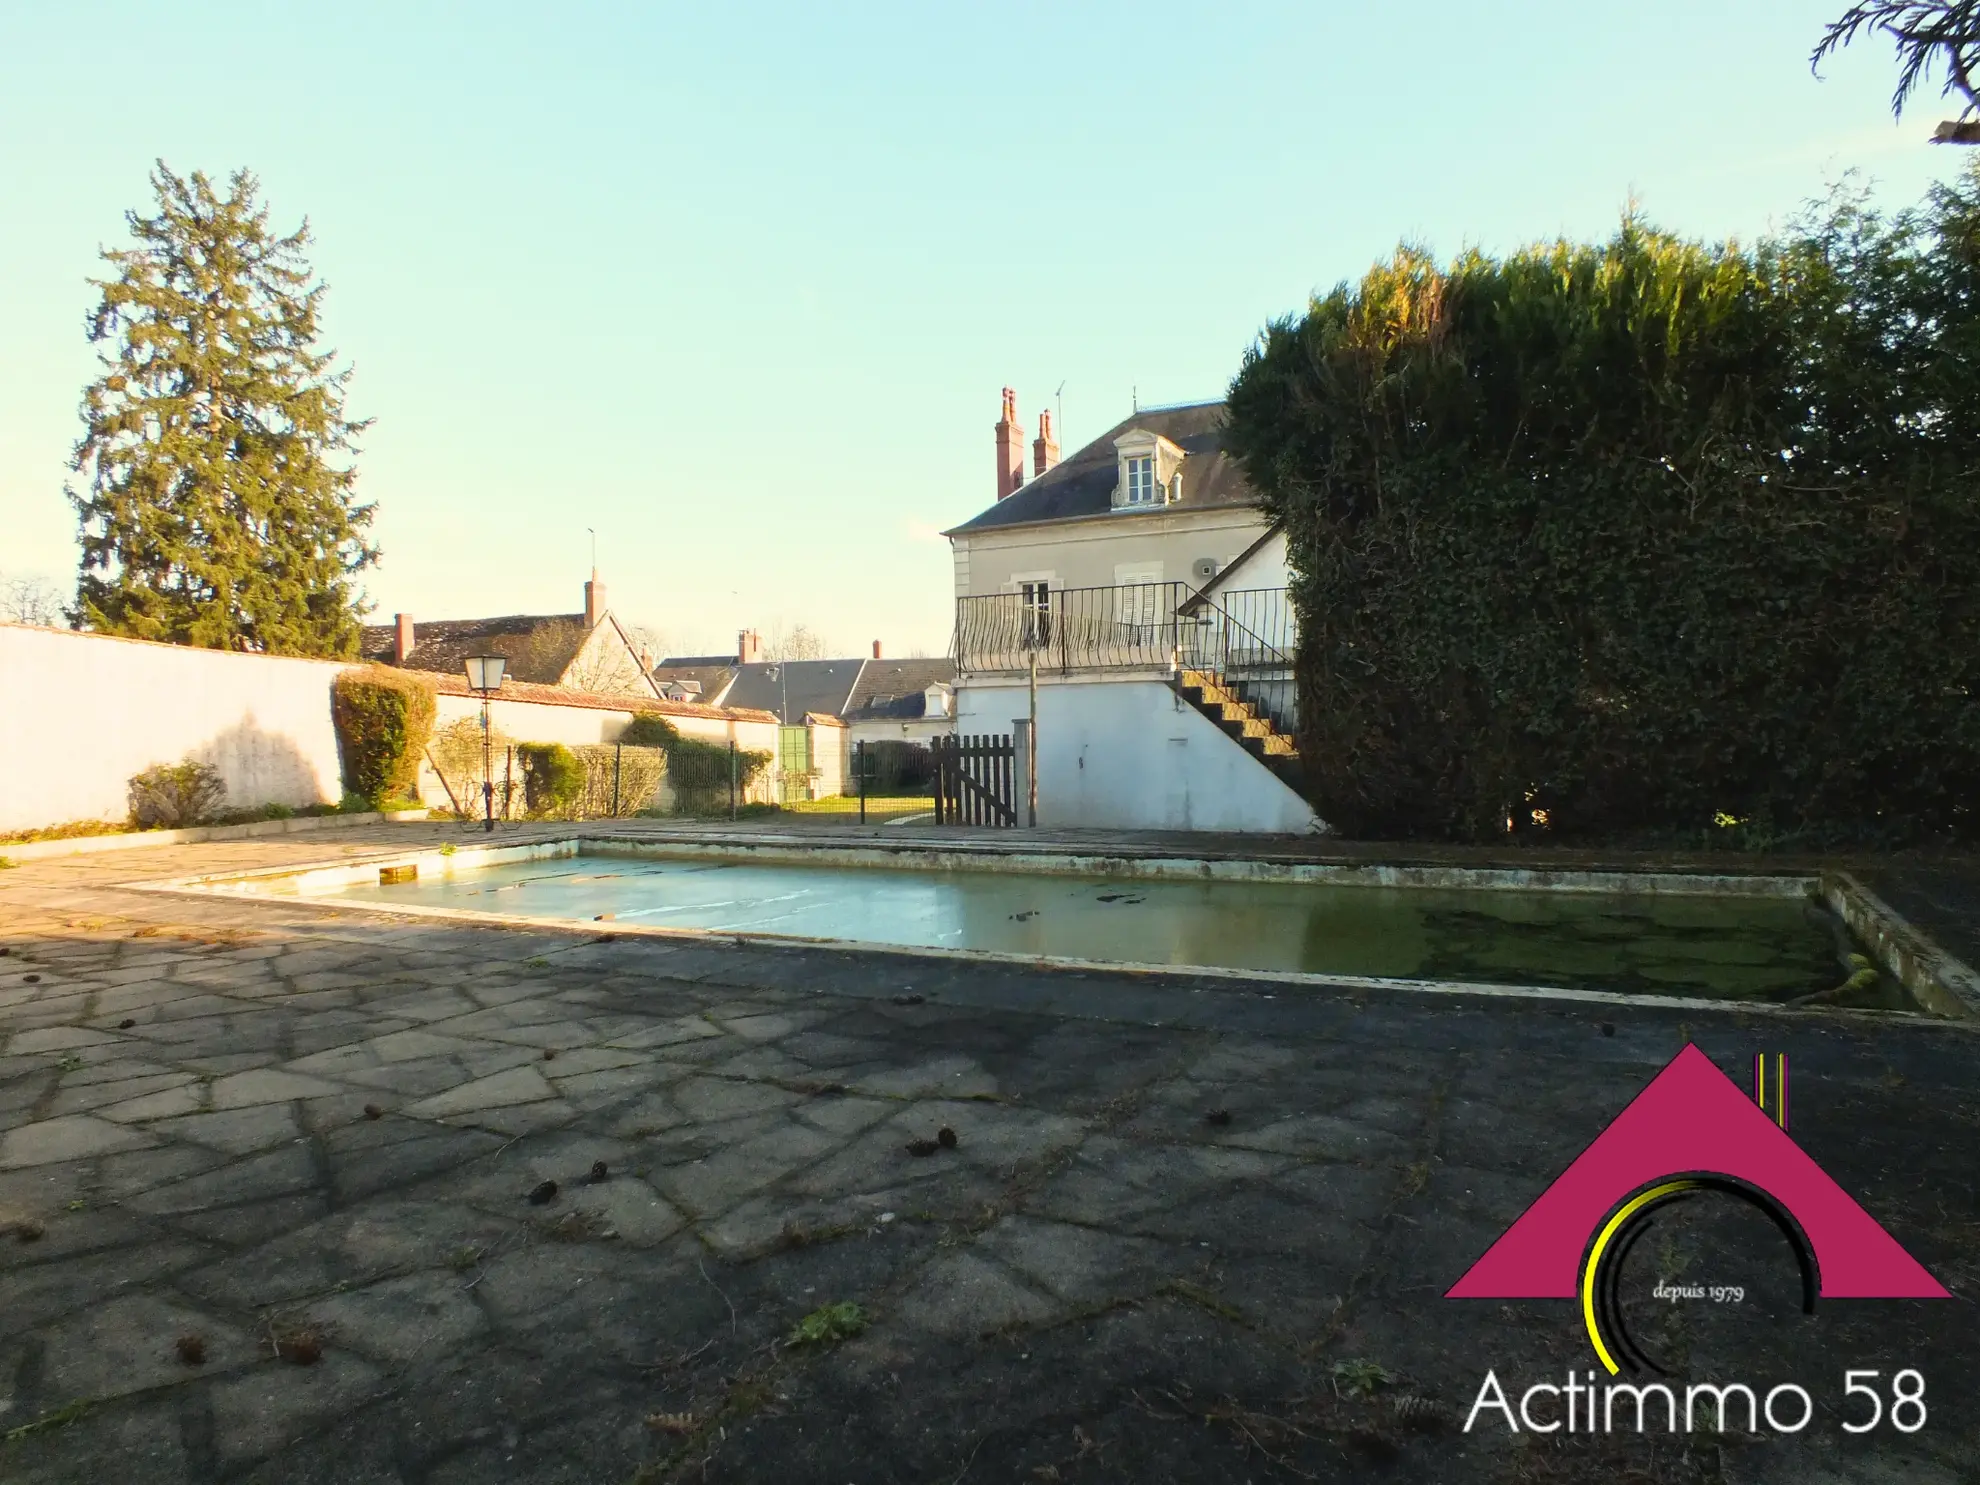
{"points": [[81, 713], [1131, 754]]}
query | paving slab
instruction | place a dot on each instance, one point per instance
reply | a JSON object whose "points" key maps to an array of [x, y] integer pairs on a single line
{"points": [[1187, 1231]]}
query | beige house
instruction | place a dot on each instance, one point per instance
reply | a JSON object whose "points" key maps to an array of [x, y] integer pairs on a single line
{"points": [[1154, 499], [1128, 610]]}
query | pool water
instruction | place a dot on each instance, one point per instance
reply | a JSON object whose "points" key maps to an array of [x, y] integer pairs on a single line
{"points": [[1722, 947]]}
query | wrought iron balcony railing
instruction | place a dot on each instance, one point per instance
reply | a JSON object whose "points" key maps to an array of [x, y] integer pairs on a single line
{"points": [[1141, 626]]}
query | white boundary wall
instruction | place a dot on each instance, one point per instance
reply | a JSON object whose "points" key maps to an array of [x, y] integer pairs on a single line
{"points": [[1128, 753], [81, 713]]}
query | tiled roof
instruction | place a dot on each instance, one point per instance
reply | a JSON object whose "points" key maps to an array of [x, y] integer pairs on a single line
{"points": [[712, 675], [456, 685], [1083, 485], [538, 647]]}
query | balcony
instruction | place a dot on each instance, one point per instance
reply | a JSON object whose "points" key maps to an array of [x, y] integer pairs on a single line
{"points": [[1245, 638]]}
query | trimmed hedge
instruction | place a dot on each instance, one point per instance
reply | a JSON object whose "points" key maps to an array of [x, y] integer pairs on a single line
{"points": [[697, 768], [1639, 540], [553, 777], [384, 719]]}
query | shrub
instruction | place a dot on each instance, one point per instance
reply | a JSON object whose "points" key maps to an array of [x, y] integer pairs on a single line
{"points": [[650, 730], [553, 777], [167, 796], [898, 767], [459, 755], [384, 719]]}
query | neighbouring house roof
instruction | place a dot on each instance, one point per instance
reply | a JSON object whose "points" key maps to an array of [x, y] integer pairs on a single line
{"points": [[456, 685], [1082, 486], [538, 647], [805, 686], [897, 690], [712, 673]]}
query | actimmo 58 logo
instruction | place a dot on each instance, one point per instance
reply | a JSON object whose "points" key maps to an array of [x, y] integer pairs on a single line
{"points": [[1691, 1133]]}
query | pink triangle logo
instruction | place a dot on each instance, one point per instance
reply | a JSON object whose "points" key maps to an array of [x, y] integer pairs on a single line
{"points": [[1692, 1119]]}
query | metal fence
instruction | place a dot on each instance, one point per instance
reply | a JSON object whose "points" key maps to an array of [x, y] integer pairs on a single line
{"points": [[1134, 626], [1131, 627]]}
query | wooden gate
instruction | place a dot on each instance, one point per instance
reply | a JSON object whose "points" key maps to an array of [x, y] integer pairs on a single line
{"points": [[974, 780]]}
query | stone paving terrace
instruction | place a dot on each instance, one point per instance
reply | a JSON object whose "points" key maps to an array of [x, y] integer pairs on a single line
{"points": [[267, 1168]]}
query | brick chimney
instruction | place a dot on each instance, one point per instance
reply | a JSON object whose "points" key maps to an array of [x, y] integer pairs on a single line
{"points": [[749, 647], [876, 649], [402, 640], [1010, 449], [1044, 448], [594, 601]]}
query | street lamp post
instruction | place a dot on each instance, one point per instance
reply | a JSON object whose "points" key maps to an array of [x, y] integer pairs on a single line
{"points": [[485, 675], [776, 673]]}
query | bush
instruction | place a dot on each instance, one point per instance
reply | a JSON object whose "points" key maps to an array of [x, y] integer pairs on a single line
{"points": [[650, 730], [384, 719], [459, 754], [553, 778], [1603, 539], [168, 796], [697, 768], [898, 767]]}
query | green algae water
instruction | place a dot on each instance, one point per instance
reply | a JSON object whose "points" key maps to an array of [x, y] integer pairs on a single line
{"points": [[1720, 947]]}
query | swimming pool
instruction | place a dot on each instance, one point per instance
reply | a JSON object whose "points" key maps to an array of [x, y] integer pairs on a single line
{"points": [[1768, 944]]}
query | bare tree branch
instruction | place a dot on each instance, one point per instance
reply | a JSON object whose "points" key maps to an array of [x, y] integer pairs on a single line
{"points": [[31, 600]]}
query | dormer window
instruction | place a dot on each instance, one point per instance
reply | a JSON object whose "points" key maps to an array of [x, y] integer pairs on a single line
{"points": [[1150, 470]]}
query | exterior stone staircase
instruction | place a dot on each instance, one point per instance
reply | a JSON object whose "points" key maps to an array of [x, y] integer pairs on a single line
{"points": [[1213, 696]]}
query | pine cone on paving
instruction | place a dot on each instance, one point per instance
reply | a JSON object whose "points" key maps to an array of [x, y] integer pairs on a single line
{"points": [[922, 1147], [543, 1194]]}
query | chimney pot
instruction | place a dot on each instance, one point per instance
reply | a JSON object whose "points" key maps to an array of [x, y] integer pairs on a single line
{"points": [[1045, 448], [1010, 448], [749, 647], [876, 649], [403, 640], [594, 601]]}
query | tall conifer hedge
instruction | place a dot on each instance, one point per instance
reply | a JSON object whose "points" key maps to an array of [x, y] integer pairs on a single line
{"points": [[1639, 538]]}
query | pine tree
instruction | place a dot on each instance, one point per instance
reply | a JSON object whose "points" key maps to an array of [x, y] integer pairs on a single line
{"points": [[219, 507]]}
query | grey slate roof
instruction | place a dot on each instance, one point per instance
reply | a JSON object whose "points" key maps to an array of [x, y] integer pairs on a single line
{"points": [[897, 689], [807, 686], [539, 647], [1083, 484], [711, 672]]}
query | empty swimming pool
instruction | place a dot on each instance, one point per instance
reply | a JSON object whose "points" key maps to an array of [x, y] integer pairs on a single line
{"points": [[1718, 945]]}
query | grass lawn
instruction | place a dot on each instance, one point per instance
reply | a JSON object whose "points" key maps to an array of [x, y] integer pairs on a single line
{"points": [[876, 804]]}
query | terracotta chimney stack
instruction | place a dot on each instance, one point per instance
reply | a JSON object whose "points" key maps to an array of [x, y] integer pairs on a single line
{"points": [[402, 641], [594, 601], [876, 649], [749, 647], [1044, 448], [1010, 449]]}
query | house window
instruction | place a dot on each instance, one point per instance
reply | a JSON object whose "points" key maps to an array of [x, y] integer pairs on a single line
{"points": [[1140, 596], [1140, 480], [1035, 609]]}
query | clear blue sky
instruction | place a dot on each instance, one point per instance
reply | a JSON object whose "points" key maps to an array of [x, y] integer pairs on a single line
{"points": [[737, 284]]}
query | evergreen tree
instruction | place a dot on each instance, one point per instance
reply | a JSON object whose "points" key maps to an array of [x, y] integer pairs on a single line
{"points": [[219, 507]]}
